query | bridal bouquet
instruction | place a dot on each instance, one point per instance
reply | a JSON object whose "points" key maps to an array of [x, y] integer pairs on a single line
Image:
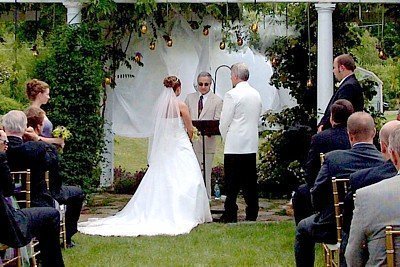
{"points": [[196, 134], [61, 132]]}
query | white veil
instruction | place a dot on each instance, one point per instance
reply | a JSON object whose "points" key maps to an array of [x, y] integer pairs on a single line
{"points": [[166, 116]]}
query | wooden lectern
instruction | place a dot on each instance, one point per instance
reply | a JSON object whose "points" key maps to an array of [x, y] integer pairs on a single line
{"points": [[206, 128]]}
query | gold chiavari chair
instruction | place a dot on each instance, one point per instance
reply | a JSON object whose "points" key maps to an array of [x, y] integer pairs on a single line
{"points": [[15, 260], [339, 190], [22, 181], [61, 209], [391, 233]]}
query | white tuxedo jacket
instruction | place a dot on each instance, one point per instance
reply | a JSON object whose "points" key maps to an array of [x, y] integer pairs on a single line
{"points": [[211, 111], [240, 115]]}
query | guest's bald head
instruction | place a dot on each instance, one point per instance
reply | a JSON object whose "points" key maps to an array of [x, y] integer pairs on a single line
{"points": [[386, 130], [361, 128]]}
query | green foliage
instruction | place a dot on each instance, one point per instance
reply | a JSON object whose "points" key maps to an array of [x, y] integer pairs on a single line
{"points": [[17, 63], [7, 104], [295, 61], [74, 71], [125, 182], [387, 70]]}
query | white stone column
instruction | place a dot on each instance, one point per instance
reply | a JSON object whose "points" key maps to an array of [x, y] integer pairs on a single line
{"points": [[325, 57], [74, 14], [107, 167]]}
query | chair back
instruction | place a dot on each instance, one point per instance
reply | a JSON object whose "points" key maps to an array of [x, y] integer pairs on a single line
{"points": [[321, 158], [340, 188], [391, 243], [15, 260], [22, 180]]}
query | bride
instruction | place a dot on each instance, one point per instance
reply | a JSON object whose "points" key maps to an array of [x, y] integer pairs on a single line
{"points": [[171, 199]]}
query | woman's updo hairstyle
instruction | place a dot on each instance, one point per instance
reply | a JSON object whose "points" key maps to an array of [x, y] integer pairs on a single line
{"points": [[172, 82], [35, 87]]}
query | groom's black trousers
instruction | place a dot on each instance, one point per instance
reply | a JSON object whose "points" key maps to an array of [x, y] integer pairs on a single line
{"points": [[240, 173]]}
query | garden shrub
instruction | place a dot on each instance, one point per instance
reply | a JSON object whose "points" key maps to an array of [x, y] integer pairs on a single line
{"points": [[125, 182], [74, 71], [7, 104]]}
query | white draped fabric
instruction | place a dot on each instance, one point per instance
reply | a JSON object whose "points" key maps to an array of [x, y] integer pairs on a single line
{"points": [[191, 53]]}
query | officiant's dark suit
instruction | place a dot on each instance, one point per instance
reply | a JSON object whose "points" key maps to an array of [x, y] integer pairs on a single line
{"points": [[323, 142], [321, 226], [349, 87], [17, 227]]}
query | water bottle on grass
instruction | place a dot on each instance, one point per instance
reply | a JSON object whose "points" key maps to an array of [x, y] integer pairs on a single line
{"points": [[217, 191]]}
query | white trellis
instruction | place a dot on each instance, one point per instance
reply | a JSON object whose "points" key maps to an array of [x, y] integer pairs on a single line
{"points": [[324, 9]]}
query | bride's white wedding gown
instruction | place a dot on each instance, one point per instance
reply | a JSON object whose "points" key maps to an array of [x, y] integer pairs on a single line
{"points": [[170, 200]]}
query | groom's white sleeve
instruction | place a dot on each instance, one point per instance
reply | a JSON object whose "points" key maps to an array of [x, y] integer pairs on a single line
{"points": [[228, 110]]}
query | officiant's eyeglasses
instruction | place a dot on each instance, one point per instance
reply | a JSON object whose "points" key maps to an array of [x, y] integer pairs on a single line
{"points": [[205, 84]]}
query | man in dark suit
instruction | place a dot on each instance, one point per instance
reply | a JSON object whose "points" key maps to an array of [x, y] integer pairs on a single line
{"points": [[321, 226], [332, 139], [349, 88], [366, 177], [19, 226], [40, 157]]}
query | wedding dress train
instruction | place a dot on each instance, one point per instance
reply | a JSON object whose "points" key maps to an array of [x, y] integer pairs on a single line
{"points": [[170, 200]]}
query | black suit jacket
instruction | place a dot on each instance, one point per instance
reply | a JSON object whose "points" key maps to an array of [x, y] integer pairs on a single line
{"points": [[340, 163], [350, 90], [332, 139], [360, 179], [31, 155], [14, 230]]}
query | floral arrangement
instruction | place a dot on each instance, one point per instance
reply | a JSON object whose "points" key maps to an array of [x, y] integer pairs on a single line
{"points": [[196, 134], [61, 132]]}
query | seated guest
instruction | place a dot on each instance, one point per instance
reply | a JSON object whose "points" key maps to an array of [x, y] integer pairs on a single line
{"points": [[363, 178], [331, 139], [18, 227], [321, 227], [367, 177], [376, 206], [72, 196]]}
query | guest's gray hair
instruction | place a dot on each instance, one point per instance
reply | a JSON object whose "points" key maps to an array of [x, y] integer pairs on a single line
{"points": [[241, 71], [15, 122], [204, 74], [394, 141]]}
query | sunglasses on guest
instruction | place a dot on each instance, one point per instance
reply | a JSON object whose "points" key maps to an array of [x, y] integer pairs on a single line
{"points": [[205, 84]]}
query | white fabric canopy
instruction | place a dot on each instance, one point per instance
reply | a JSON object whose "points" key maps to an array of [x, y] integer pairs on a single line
{"points": [[191, 53]]}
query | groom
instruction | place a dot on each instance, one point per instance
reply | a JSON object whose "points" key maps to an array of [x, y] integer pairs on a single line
{"points": [[239, 128], [204, 105]]}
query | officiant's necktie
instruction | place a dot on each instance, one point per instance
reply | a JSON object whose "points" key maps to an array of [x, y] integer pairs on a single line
{"points": [[200, 106]]}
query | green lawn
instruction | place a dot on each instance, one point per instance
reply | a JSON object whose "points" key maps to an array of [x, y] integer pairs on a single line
{"points": [[259, 244], [213, 244], [131, 153]]}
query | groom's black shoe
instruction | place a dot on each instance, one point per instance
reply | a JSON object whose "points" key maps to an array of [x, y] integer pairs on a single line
{"points": [[227, 219]]}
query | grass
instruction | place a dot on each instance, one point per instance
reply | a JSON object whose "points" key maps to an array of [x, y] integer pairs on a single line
{"points": [[390, 116], [259, 244], [131, 153]]}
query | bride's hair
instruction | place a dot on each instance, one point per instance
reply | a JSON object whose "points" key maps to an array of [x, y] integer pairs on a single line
{"points": [[172, 82]]}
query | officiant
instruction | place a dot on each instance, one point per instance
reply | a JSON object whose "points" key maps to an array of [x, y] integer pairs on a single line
{"points": [[204, 105]]}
